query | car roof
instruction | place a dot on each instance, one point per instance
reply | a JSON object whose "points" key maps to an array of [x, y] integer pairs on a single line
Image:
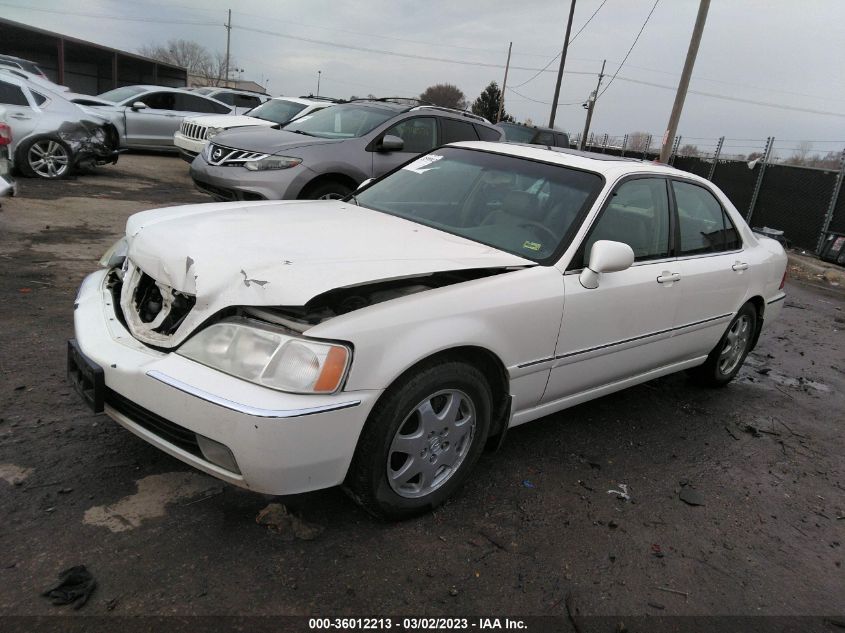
{"points": [[605, 164], [529, 127], [302, 100]]}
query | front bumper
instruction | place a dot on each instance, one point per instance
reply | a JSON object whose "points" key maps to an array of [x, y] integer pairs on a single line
{"points": [[226, 183], [282, 443], [189, 148]]}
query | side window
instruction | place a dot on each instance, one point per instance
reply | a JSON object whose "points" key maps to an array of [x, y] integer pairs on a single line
{"points": [[487, 133], [225, 97], [245, 101], [419, 134], [704, 225], [39, 98], [193, 103], [562, 140], [159, 100], [454, 131], [544, 138], [12, 95], [638, 215]]}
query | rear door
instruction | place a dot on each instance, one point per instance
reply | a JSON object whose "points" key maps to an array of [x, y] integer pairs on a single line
{"points": [[622, 328], [713, 266], [20, 113]]}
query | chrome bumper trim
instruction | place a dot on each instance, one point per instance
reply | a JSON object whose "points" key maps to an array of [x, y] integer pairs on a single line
{"points": [[243, 408]]}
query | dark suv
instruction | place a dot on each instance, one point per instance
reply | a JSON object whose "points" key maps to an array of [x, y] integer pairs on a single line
{"points": [[329, 153], [518, 133]]}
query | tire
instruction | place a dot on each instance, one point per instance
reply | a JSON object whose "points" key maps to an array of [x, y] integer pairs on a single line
{"points": [[392, 484], [45, 157], [326, 190], [725, 360]]}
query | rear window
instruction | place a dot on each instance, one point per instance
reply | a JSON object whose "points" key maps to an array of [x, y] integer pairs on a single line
{"points": [[517, 133], [12, 95], [487, 133], [454, 131], [277, 110]]}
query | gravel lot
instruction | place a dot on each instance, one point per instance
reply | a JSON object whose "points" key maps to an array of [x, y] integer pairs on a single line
{"points": [[535, 524]]}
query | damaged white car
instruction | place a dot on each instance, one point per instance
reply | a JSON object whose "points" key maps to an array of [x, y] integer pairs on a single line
{"points": [[381, 342]]}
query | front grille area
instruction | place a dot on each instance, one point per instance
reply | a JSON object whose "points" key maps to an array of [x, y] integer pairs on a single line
{"points": [[226, 195], [193, 130], [165, 429], [229, 157]]}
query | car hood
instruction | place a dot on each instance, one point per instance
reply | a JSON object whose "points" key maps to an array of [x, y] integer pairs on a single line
{"points": [[268, 141], [283, 253], [228, 121]]}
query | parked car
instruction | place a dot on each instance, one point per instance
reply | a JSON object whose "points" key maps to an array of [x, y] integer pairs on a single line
{"points": [[240, 100], [10, 61], [381, 342], [533, 135], [195, 132], [7, 185], [35, 78], [150, 115], [330, 152], [50, 135]]}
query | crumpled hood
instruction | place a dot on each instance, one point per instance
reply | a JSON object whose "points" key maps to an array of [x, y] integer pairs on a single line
{"points": [[228, 120], [283, 253], [268, 141]]}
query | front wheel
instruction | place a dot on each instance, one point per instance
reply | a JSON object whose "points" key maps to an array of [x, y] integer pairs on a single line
{"points": [[725, 360], [421, 441], [45, 157], [327, 190]]}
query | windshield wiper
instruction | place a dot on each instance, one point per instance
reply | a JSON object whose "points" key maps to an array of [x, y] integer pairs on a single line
{"points": [[300, 132]]}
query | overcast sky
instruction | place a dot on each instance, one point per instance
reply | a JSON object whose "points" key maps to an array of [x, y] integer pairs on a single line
{"points": [[788, 53]]}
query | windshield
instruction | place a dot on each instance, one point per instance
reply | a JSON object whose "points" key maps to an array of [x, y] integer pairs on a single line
{"points": [[204, 91], [517, 133], [277, 110], [517, 205], [346, 121], [121, 94]]}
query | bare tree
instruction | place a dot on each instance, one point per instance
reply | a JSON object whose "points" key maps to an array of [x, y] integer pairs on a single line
{"points": [[209, 67], [445, 95], [638, 141], [689, 150], [800, 154]]}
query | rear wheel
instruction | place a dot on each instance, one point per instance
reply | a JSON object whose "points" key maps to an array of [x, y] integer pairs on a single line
{"points": [[45, 157], [421, 441], [725, 360], [327, 190]]}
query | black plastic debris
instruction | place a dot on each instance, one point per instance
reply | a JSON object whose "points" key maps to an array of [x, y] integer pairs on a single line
{"points": [[75, 586]]}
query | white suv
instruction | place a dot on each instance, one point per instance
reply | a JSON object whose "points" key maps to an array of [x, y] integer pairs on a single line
{"points": [[195, 132]]}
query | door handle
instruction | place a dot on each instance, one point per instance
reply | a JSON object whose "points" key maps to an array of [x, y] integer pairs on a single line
{"points": [[22, 117], [668, 277], [739, 266]]}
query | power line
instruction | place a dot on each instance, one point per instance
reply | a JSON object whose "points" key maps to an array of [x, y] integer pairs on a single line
{"points": [[543, 102], [636, 39], [571, 40], [112, 17]]}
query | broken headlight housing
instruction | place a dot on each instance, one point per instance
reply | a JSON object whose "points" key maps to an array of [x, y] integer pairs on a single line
{"points": [[212, 132], [116, 254], [273, 162], [268, 356]]}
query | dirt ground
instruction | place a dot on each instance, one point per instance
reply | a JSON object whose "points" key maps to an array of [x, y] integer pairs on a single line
{"points": [[538, 521]]}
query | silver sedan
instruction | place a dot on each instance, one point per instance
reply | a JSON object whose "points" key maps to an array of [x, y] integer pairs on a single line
{"points": [[148, 116]]}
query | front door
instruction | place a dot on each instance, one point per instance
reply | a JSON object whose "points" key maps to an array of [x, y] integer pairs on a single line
{"points": [[623, 327], [154, 125], [419, 135]]}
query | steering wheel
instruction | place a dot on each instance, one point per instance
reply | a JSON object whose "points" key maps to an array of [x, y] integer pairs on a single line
{"points": [[540, 230]]}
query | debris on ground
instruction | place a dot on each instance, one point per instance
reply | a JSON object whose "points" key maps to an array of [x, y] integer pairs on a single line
{"points": [[657, 605], [685, 594], [622, 492], [76, 584], [656, 550], [453, 591], [527, 483], [277, 519], [691, 496]]}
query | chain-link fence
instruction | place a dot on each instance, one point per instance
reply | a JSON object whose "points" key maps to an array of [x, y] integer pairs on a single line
{"points": [[780, 186]]}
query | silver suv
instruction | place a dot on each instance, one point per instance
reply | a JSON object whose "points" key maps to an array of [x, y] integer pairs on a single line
{"points": [[329, 153]]}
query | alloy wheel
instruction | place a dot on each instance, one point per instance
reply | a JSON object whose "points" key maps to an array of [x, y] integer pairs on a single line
{"points": [[48, 158], [431, 443], [736, 343]]}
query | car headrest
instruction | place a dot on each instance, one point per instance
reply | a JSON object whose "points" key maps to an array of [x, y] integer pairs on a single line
{"points": [[522, 204]]}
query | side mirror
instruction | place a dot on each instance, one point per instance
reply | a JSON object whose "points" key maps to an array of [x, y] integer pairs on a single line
{"points": [[606, 257], [139, 105], [391, 143], [364, 184]]}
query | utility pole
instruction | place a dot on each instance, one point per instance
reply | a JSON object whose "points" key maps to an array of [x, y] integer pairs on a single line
{"points": [[591, 103], [562, 62], [228, 26], [504, 85], [681, 95], [319, 73]]}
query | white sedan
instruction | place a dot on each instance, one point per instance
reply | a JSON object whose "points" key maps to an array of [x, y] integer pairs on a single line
{"points": [[381, 342]]}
